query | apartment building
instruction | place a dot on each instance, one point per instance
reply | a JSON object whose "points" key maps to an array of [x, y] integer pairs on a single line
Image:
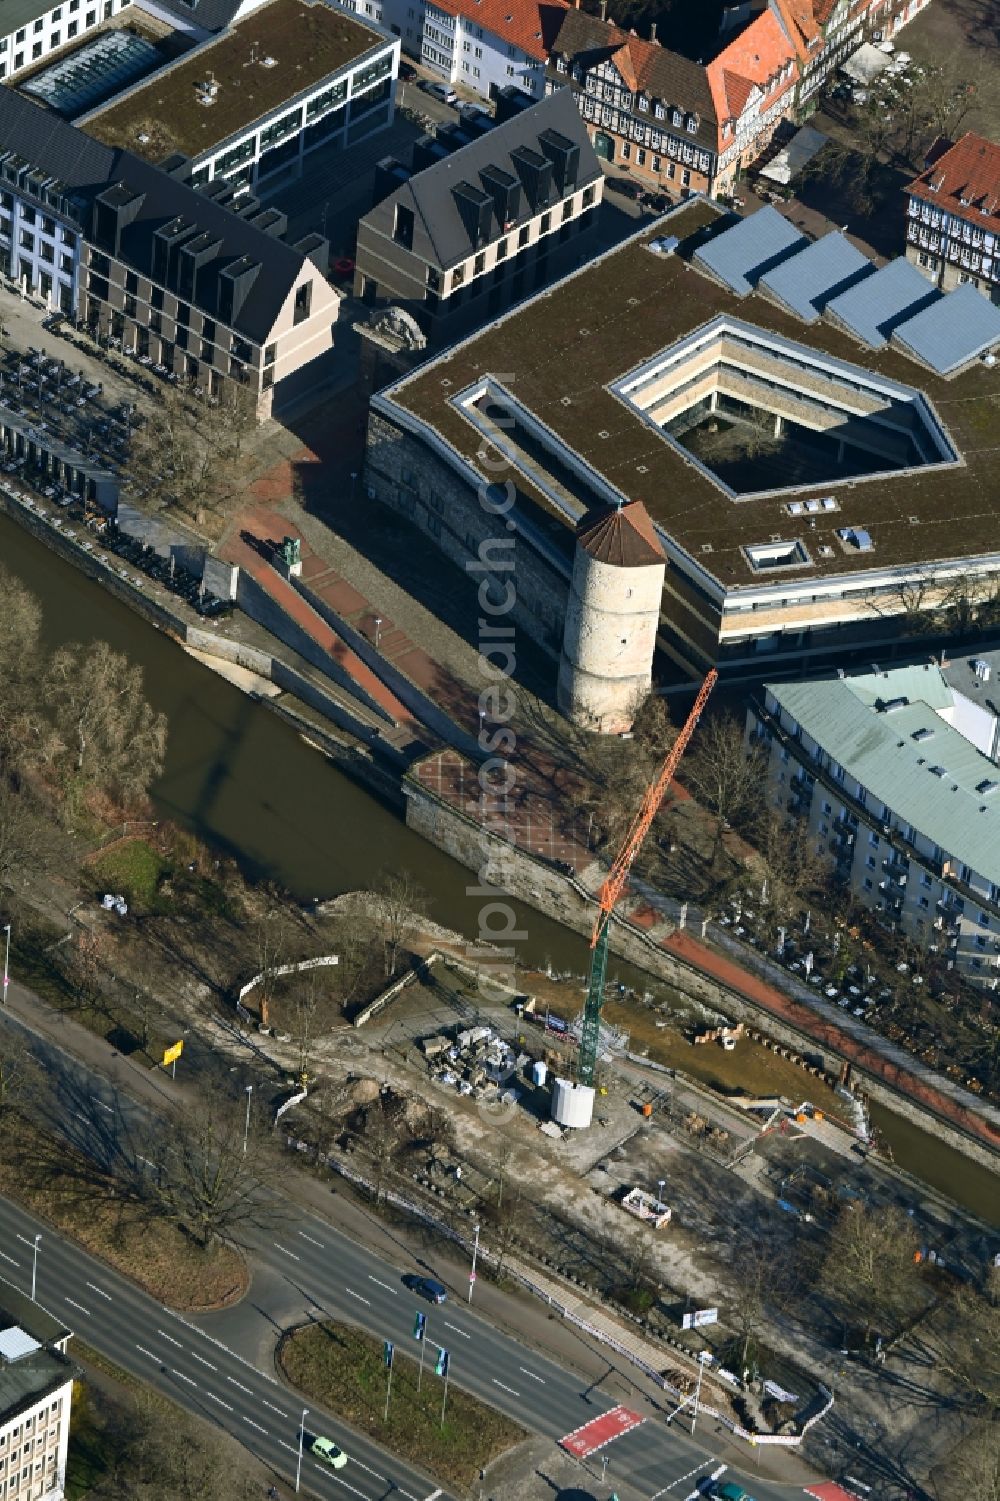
{"points": [[478, 227], [32, 31], [200, 280], [953, 217], [481, 45], [894, 777], [250, 105], [36, 1396]]}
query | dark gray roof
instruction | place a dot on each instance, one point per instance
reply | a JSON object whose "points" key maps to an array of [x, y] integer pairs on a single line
{"points": [[18, 13], [807, 281], [85, 169], [740, 256], [441, 236], [879, 304], [42, 1369], [211, 15], [952, 332]]}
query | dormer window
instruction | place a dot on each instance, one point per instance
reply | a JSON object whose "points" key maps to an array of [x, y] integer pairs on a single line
{"points": [[676, 118], [561, 66], [643, 102], [691, 124], [659, 111]]}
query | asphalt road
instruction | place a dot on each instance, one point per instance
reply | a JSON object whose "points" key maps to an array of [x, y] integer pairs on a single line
{"points": [[220, 1364]]}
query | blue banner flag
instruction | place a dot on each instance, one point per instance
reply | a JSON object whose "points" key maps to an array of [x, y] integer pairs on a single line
{"points": [[441, 1368], [387, 1349], [418, 1325]]}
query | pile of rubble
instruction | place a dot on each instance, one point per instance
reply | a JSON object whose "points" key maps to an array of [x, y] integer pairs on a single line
{"points": [[477, 1062]]}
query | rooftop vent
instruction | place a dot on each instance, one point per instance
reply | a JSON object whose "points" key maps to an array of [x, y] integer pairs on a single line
{"points": [[856, 536], [938, 771], [893, 704], [207, 92], [767, 555], [986, 786], [982, 669], [922, 734]]}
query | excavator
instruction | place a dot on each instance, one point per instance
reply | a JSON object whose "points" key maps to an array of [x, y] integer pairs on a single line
{"points": [[617, 879]]}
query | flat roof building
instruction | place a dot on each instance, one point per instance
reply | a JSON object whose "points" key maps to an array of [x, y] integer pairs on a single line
{"points": [[251, 103], [816, 487], [36, 1395]]}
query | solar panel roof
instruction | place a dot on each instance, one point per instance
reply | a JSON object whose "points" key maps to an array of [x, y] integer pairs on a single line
{"points": [[740, 256], [807, 280], [951, 332], [873, 309]]}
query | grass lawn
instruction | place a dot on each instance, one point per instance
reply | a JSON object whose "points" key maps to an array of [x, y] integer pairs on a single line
{"points": [[343, 1368], [133, 868], [157, 1256]]}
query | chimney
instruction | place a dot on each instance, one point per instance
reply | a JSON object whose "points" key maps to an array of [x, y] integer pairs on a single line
{"points": [[604, 10], [652, 32]]}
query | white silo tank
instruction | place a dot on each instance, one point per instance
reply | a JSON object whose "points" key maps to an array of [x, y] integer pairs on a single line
{"points": [[572, 1104], [612, 616], [539, 1072]]}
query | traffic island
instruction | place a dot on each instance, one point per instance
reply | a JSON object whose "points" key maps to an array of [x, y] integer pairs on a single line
{"points": [[449, 1434]]}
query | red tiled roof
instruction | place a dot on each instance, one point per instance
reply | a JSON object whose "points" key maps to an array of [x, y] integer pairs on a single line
{"points": [[965, 181], [756, 56], [624, 536], [532, 25], [799, 21]]}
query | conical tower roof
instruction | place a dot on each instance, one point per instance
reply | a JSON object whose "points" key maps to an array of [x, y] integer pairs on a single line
{"points": [[623, 536]]}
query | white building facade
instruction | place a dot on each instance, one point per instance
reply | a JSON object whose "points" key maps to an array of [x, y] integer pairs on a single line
{"points": [[42, 30], [39, 250], [460, 47]]}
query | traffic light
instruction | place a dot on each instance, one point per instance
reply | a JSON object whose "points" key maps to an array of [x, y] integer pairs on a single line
{"points": [[419, 1324], [441, 1367]]}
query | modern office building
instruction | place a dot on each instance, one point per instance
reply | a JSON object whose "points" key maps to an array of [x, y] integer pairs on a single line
{"points": [[812, 437], [894, 776], [953, 217], [478, 227], [199, 280], [36, 1397], [249, 105]]}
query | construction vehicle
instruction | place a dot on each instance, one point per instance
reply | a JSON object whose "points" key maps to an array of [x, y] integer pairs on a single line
{"points": [[615, 883]]}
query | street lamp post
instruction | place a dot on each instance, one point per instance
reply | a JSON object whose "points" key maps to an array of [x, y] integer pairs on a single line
{"points": [[302, 1434], [475, 1253], [6, 963], [661, 1184], [246, 1128], [378, 630], [697, 1390], [34, 1266]]}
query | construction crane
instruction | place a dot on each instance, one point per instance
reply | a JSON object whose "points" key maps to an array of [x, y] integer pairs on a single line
{"points": [[617, 877]]}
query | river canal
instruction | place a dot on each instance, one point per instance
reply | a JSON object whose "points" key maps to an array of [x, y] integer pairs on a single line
{"points": [[243, 780]]}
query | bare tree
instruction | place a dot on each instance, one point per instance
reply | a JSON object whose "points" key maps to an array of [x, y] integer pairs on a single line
{"points": [[725, 774], [383, 1134], [973, 1466], [765, 1282], [20, 650], [187, 452], [966, 1336], [31, 842], [111, 739], [791, 865], [399, 903], [869, 1270]]}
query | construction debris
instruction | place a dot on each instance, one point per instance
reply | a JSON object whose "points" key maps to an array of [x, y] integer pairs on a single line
{"points": [[477, 1061], [646, 1207]]}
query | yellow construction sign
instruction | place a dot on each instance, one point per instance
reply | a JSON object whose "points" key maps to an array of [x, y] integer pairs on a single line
{"points": [[171, 1054]]}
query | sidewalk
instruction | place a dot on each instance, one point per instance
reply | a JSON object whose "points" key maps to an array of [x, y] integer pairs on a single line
{"points": [[516, 1313]]}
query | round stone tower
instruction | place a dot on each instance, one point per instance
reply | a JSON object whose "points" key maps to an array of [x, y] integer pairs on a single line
{"points": [[611, 619]]}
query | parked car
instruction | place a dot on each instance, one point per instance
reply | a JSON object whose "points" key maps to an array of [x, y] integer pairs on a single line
{"points": [[470, 111], [439, 91], [623, 185], [407, 72], [425, 1287], [328, 1453]]}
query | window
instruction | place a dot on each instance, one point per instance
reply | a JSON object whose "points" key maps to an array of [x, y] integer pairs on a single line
{"points": [[69, 239], [980, 942], [26, 240], [54, 39], [640, 157], [984, 921], [91, 17], [45, 252], [560, 65], [37, 26], [589, 194], [479, 264], [923, 903], [657, 164], [626, 150], [57, 14], [545, 225], [685, 178], [501, 250], [100, 263], [131, 282], [475, 72], [870, 862], [270, 353], [522, 236], [156, 299], [303, 302], [20, 35], [868, 883], [402, 228], [36, 50], [873, 841]]}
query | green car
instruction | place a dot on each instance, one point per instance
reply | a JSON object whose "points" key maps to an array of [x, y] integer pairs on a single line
{"points": [[327, 1451], [731, 1492]]}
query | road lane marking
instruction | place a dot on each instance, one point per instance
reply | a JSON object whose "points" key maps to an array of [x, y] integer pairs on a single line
{"points": [[143, 1351], [240, 1385], [169, 1338], [73, 1304], [81, 1117], [273, 1408], [100, 1292], [171, 1313], [9, 1258], [505, 1388], [312, 1241], [393, 1290], [281, 1441], [680, 1481], [202, 1361], [352, 1294], [102, 1104], [357, 1463], [455, 1330], [181, 1377], [540, 1379], [212, 1397], [254, 1425], [287, 1252], [332, 1475]]}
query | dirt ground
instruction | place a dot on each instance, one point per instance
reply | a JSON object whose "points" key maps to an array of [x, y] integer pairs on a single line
{"points": [[967, 34]]}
